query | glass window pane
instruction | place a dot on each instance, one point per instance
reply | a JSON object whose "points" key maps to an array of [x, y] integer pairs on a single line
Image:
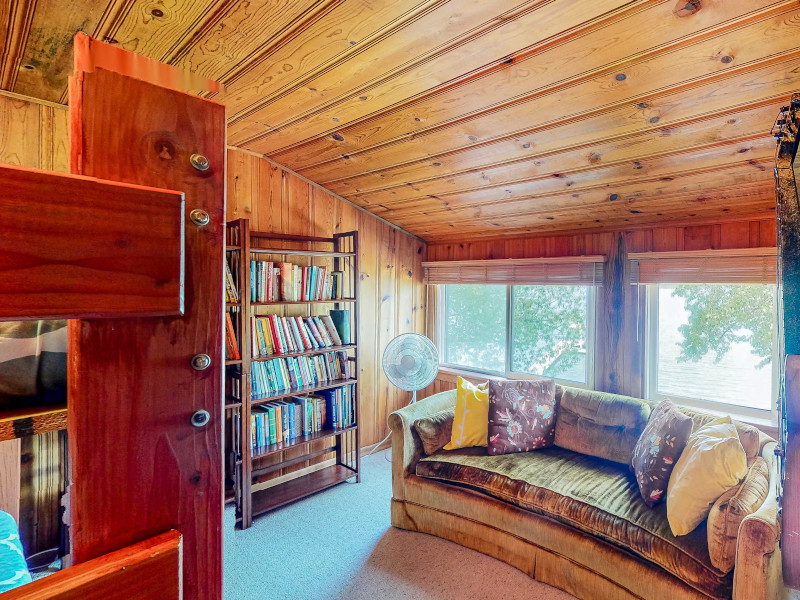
{"points": [[549, 325], [717, 342], [475, 326]]}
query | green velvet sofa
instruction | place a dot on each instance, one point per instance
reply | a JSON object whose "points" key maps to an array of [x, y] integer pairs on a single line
{"points": [[573, 520]]}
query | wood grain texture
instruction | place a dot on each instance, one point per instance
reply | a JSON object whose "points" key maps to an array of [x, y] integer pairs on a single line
{"points": [[391, 293], [538, 95], [10, 457], [22, 422], [148, 570], [165, 473], [74, 247]]}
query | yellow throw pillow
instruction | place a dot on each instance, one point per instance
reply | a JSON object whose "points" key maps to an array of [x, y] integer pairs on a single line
{"points": [[713, 462], [471, 422]]}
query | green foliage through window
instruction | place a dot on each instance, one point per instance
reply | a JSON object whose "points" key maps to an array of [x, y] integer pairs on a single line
{"points": [[723, 315]]}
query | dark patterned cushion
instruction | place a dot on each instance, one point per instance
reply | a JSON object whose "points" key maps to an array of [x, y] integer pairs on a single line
{"points": [[33, 362], [658, 449], [522, 415]]}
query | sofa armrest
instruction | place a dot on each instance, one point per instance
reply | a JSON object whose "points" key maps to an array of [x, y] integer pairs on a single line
{"points": [[406, 445], [757, 574]]}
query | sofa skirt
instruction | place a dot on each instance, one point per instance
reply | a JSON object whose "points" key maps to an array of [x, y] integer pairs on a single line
{"points": [[545, 549]]}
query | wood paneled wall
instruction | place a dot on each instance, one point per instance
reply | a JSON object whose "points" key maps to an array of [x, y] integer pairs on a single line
{"points": [[619, 356], [34, 134], [391, 292]]}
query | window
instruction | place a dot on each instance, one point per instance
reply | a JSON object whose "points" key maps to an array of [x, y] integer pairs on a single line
{"points": [[714, 344], [520, 330]]}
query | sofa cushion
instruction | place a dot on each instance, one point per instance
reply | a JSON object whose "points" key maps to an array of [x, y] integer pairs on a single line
{"points": [[471, 421], [712, 463], [730, 509], [593, 495], [599, 424], [522, 415], [435, 430], [658, 449]]}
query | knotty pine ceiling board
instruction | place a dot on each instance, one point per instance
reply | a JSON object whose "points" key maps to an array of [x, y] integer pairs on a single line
{"points": [[477, 118]]}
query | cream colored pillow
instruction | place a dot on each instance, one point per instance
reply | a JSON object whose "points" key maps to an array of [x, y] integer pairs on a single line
{"points": [[713, 462]]}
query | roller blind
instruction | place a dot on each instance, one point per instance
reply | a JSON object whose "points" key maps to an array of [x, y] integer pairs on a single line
{"points": [[579, 270], [748, 265]]}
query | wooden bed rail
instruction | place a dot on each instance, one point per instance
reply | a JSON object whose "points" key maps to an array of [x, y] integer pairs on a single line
{"points": [[149, 570]]}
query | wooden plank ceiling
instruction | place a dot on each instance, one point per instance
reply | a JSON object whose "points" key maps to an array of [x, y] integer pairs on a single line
{"points": [[461, 119]]}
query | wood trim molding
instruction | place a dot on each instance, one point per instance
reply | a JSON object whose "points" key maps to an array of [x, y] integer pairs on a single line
{"points": [[728, 253], [508, 262], [18, 27]]}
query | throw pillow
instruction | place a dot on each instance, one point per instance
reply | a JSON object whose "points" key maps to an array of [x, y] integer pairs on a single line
{"points": [[471, 416], [522, 415], [435, 430], [729, 511], [712, 463], [661, 443]]}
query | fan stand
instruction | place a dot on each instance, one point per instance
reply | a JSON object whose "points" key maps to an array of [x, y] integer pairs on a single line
{"points": [[378, 445]]}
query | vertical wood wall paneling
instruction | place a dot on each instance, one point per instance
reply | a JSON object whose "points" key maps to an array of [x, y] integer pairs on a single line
{"points": [[619, 368], [391, 292], [34, 134]]}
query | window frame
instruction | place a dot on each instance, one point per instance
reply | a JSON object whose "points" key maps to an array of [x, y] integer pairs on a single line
{"points": [[713, 406], [591, 320]]}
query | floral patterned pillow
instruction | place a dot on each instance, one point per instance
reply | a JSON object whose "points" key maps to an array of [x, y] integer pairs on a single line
{"points": [[522, 415], [658, 449]]}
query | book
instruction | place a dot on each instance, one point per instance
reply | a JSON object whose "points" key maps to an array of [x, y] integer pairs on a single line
{"points": [[231, 345], [231, 288], [330, 328], [341, 321]]}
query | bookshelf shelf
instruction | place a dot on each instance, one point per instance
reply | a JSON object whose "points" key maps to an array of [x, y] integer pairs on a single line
{"points": [[336, 258], [263, 452], [308, 389], [302, 302], [284, 252], [306, 353], [232, 362], [271, 498]]}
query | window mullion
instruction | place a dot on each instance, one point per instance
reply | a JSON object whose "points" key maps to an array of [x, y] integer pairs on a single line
{"points": [[509, 326]]}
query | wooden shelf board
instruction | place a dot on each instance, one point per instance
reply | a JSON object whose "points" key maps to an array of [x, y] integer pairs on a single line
{"points": [[232, 248], [233, 304], [306, 353], [302, 302], [21, 422], [305, 390], [275, 497], [233, 362], [286, 252], [303, 439]]}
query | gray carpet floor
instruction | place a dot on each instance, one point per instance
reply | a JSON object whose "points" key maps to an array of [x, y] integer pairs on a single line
{"points": [[339, 545]]}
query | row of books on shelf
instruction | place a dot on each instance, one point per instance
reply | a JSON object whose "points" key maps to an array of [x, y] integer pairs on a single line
{"points": [[283, 281], [290, 419], [281, 375], [231, 345], [231, 281], [273, 334]]}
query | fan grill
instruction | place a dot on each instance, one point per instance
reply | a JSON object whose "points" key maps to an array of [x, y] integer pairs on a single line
{"points": [[411, 361]]}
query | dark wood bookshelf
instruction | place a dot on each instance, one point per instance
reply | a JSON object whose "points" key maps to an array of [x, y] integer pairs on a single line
{"points": [[306, 389], [306, 353], [337, 253]]}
